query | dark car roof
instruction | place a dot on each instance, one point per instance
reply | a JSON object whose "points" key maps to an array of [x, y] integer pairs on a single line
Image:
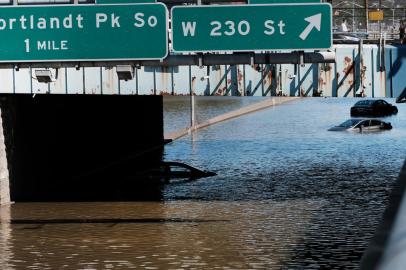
{"points": [[368, 102]]}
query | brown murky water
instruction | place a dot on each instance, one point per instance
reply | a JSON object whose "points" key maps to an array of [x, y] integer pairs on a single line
{"points": [[152, 235]]}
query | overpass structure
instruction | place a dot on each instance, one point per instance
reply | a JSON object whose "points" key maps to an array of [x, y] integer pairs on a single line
{"points": [[45, 44], [87, 47], [122, 47], [256, 69], [50, 47], [70, 147]]}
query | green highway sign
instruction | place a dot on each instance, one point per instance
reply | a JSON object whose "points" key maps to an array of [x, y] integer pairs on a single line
{"points": [[83, 32], [123, 1], [252, 27], [280, 1]]}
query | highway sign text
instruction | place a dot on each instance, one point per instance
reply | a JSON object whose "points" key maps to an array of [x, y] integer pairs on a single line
{"points": [[251, 27]]}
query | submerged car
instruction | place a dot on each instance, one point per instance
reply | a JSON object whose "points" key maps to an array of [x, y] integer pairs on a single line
{"points": [[168, 171], [362, 125], [373, 107]]}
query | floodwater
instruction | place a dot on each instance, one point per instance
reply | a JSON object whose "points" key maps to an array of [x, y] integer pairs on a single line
{"points": [[288, 195]]}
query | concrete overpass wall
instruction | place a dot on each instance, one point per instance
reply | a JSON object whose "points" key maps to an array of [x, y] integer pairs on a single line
{"points": [[4, 175]]}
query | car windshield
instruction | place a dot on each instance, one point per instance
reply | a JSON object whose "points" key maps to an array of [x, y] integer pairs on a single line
{"points": [[349, 123]]}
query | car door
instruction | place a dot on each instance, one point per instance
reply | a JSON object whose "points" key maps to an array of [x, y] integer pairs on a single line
{"points": [[375, 125], [381, 107], [364, 126]]}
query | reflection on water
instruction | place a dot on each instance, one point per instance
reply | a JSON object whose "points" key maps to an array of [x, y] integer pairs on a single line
{"points": [[205, 235], [177, 109], [5, 235], [288, 195], [286, 154]]}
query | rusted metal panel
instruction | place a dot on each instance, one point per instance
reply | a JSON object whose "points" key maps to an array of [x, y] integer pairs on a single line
{"points": [[377, 88], [92, 80], [218, 75], [307, 79], [231, 80], [254, 84], [326, 79], [75, 83], [289, 80], [199, 80], [181, 81], [59, 86], [109, 81], [381, 73], [240, 80], [163, 78], [367, 71], [269, 80], [352, 74], [128, 87], [346, 71], [146, 81]]}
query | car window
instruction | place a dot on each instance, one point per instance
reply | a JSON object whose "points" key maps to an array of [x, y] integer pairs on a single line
{"points": [[375, 123], [365, 123], [382, 103], [369, 102], [364, 102], [179, 169], [349, 123]]}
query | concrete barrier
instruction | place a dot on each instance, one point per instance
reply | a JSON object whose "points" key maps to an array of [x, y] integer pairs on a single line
{"points": [[233, 114]]}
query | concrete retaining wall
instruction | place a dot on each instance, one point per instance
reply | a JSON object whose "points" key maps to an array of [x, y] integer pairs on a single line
{"points": [[4, 176]]}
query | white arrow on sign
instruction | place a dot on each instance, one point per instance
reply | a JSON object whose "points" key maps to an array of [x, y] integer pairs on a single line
{"points": [[314, 22]]}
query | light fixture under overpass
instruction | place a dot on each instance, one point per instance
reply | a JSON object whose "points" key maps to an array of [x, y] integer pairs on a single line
{"points": [[125, 72], [45, 75]]}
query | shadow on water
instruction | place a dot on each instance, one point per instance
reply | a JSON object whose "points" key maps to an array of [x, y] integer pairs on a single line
{"points": [[110, 220], [117, 181]]}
